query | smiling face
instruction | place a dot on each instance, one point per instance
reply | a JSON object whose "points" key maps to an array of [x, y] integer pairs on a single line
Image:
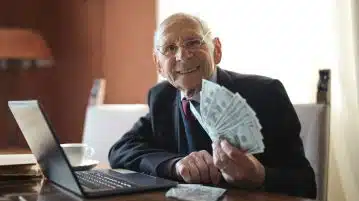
{"points": [[184, 54]]}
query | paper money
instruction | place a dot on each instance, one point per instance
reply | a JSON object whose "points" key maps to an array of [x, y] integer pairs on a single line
{"points": [[220, 101], [195, 192], [227, 115], [207, 92]]}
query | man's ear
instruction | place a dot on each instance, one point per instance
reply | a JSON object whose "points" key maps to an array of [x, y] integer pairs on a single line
{"points": [[217, 52], [157, 63]]}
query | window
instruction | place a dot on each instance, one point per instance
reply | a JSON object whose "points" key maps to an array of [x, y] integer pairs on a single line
{"points": [[285, 39]]}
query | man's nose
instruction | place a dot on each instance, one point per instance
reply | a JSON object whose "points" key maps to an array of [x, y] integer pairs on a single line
{"points": [[183, 54]]}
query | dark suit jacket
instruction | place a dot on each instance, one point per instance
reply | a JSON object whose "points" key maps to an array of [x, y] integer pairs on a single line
{"points": [[155, 138]]}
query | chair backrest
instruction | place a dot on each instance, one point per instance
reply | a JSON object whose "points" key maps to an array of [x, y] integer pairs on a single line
{"points": [[105, 124], [314, 136], [97, 93]]}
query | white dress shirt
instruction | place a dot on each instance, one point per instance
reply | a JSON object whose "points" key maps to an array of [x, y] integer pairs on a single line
{"points": [[197, 96]]}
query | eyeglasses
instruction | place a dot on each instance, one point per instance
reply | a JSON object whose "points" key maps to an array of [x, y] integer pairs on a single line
{"points": [[191, 45]]}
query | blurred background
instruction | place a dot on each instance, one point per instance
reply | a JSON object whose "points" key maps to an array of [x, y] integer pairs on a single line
{"points": [[113, 39]]}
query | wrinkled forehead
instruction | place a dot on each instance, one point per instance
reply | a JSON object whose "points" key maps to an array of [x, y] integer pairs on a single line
{"points": [[178, 30]]}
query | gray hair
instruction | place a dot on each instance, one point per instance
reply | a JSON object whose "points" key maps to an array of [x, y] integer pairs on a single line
{"points": [[204, 26]]}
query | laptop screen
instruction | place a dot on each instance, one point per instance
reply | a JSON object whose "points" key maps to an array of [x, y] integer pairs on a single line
{"points": [[43, 143]]}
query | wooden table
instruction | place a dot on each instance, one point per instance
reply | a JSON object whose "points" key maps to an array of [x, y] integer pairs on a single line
{"points": [[43, 190]]}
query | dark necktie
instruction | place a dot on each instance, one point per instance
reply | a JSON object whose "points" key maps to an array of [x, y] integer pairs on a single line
{"points": [[197, 138], [187, 111]]}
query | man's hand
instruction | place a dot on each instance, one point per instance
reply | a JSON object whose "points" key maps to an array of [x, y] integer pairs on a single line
{"points": [[237, 167], [198, 167]]}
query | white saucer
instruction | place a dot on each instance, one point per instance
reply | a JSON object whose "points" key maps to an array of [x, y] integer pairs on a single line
{"points": [[86, 165]]}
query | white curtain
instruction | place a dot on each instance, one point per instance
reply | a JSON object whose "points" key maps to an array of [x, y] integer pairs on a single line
{"points": [[343, 181], [284, 39]]}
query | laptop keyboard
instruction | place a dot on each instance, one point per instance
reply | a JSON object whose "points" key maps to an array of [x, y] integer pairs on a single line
{"points": [[99, 180]]}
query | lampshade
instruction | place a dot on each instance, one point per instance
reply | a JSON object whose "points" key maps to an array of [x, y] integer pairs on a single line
{"points": [[17, 43]]}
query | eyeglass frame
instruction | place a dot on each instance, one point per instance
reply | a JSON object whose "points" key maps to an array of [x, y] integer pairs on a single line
{"points": [[202, 41]]}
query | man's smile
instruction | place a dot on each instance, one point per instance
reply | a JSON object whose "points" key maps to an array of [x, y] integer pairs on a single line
{"points": [[187, 71]]}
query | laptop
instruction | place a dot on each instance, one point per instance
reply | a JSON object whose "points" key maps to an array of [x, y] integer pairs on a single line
{"points": [[55, 166]]}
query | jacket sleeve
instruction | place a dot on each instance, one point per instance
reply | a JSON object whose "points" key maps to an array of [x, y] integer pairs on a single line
{"points": [[287, 169], [137, 149]]}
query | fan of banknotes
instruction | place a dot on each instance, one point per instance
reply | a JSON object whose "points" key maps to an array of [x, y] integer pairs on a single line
{"points": [[226, 115]]}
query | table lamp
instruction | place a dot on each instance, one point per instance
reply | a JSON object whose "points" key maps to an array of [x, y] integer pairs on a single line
{"points": [[25, 47]]}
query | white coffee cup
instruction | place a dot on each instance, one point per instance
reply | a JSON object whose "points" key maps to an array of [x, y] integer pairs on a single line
{"points": [[77, 153]]}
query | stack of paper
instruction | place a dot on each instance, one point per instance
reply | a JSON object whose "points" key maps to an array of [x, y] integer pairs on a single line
{"points": [[16, 166]]}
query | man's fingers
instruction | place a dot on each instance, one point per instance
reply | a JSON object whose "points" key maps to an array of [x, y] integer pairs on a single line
{"points": [[222, 161], [216, 157], [220, 158], [214, 173], [183, 171], [201, 166], [216, 160], [232, 152], [198, 167], [188, 171], [237, 166], [194, 172], [216, 144]]}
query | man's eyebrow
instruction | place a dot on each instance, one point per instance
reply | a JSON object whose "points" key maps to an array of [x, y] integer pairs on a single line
{"points": [[170, 42], [168, 39], [192, 37], [161, 44]]}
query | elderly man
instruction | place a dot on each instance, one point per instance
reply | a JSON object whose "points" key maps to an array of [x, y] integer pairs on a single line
{"points": [[165, 143]]}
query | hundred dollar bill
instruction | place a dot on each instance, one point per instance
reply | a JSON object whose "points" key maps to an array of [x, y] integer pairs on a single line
{"points": [[221, 100], [208, 90], [240, 136], [195, 192]]}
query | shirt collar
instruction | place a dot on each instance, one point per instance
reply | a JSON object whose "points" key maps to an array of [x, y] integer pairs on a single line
{"points": [[197, 97]]}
